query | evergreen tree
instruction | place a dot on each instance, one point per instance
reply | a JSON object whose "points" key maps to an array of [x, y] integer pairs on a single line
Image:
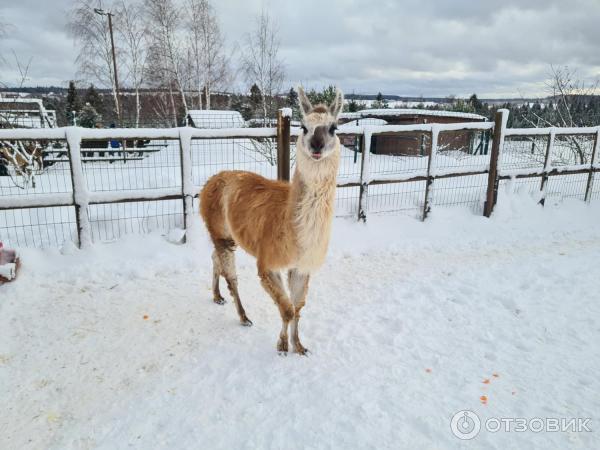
{"points": [[255, 98], [239, 103], [380, 102], [292, 102], [73, 105], [353, 106], [93, 98], [475, 103], [89, 117], [292, 98], [326, 96]]}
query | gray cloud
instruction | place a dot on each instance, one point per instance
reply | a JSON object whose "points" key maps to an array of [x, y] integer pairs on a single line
{"points": [[439, 47]]}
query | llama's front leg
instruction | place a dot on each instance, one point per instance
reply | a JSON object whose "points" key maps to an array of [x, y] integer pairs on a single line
{"points": [[298, 283], [273, 284]]}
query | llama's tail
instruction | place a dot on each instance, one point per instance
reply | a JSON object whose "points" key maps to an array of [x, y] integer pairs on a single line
{"points": [[212, 206]]}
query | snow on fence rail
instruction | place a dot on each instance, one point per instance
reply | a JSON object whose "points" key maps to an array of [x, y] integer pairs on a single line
{"points": [[99, 184]]}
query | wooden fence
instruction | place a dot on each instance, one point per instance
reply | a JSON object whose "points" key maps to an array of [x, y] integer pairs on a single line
{"points": [[81, 197]]}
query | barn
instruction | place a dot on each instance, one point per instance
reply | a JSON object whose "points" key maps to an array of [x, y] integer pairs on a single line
{"points": [[415, 144]]}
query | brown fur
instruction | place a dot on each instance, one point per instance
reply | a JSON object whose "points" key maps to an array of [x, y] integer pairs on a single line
{"points": [[320, 109], [284, 225], [231, 198]]}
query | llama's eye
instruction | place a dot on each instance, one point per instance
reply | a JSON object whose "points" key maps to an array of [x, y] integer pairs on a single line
{"points": [[332, 128], [304, 129]]}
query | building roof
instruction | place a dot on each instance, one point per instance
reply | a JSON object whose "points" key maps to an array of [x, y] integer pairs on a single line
{"points": [[26, 113], [367, 121], [410, 112], [212, 118]]}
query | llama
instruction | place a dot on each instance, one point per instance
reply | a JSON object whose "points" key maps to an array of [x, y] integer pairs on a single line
{"points": [[285, 226]]}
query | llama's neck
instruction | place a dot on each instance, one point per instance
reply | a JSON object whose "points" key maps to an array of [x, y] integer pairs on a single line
{"points": [[311, 205]]}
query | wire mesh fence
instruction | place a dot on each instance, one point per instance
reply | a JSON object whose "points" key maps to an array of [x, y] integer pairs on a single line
{"points": [[145, 174], [136, 182], [523, 152], [595, 187], [34, 167], [112, 221], [530, 187], [560, 187], [38, 227], [405, 198], [468, 191], [131, 165], [210, 156], [346, 201]]}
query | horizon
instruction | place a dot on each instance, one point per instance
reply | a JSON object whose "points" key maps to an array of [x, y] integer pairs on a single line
{"points": [[347, 95]]}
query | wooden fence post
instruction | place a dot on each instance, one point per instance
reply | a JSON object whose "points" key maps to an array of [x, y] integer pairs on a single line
{"points": [[187, 185], [588, 186], [430, 161], [500, 120], [284, 117], [364, 176], [549, 147], [80, 191]]}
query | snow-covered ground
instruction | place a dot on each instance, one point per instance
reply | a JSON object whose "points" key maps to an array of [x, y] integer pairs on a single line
{"points": [[120, 346]]}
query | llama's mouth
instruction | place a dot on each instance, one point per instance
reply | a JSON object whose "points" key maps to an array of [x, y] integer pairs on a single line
{"points": [[316, 155]]}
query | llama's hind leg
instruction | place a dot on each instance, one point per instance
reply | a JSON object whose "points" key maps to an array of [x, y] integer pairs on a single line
{"points": [[225, 252], [273, 284], [298, 283], [217, 271]]}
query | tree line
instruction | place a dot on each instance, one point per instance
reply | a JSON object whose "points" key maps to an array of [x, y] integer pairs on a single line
{"points": [[171, 57]]}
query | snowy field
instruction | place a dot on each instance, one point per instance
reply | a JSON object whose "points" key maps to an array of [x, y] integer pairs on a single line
{"points": [[120, 346]]}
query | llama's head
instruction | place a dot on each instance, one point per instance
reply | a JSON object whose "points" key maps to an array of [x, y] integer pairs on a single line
{"points": [[318, 139]]}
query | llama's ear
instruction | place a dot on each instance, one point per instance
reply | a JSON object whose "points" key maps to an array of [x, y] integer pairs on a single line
{"points": [[337, 105], [306, 106]]}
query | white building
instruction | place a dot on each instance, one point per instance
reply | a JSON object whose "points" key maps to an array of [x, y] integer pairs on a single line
{"points": [[211, 118]]}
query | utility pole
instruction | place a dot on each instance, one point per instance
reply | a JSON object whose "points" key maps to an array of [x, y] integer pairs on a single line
{"points": [[114, 59]]}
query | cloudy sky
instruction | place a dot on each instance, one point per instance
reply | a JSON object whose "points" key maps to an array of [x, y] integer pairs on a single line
{"points": [[500, 48]]}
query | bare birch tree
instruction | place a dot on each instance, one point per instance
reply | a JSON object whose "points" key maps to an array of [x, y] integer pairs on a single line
{"points": [[261, 63], [196, 13], [91, 32], [210, 65], [3, 33], [133, 33], [166, 50], [20, 160]]}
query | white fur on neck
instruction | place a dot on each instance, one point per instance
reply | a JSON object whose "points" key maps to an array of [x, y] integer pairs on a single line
{"points": [[314, 210]]}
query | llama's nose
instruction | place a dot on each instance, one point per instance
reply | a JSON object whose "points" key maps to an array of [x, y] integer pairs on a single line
{"points": [[317, 144]]}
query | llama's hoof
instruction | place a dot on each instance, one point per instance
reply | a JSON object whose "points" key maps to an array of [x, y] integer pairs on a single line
{"points": [[282, 345], [219, 301], [246, 322], [300, 349]]}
